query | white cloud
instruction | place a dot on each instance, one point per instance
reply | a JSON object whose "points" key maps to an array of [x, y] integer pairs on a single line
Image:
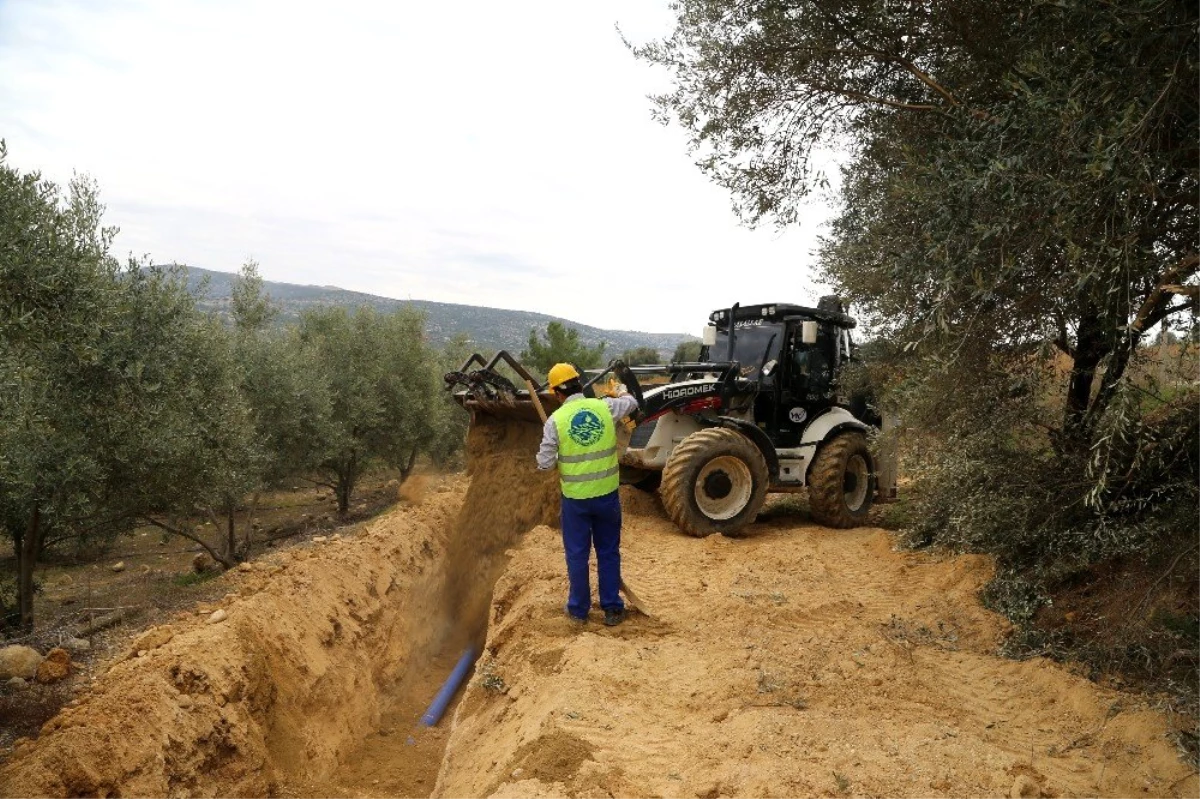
{"points": [[486, 153]]}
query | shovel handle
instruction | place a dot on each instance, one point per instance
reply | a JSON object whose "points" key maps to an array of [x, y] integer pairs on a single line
{"points": [[537, 401]]}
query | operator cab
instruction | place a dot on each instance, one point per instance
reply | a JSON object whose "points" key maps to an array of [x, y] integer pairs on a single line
{"points": [[791, 354]]}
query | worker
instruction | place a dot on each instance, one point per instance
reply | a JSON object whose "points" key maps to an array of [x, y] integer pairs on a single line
{"points": [[581, 437]]}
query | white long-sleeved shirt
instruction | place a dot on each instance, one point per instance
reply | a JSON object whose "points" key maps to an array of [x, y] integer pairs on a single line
{"points": [[547, 457]]}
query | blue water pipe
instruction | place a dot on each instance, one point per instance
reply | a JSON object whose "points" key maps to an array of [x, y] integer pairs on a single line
{"points": [[438, 706]]}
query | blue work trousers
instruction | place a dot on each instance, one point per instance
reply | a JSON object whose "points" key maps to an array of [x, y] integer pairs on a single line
{"points": [[587, 523]]}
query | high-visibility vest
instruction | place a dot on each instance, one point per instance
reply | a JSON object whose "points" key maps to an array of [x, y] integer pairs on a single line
{"points": [[587, 449]]}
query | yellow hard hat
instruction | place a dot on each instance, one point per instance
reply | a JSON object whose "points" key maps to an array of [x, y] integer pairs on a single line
{"points": [[561, 373]]}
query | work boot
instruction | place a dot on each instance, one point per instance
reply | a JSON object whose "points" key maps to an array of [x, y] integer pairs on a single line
{"points": [[576, 620], [614, 617]]}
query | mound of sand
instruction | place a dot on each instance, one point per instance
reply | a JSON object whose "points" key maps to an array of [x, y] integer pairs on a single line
{"points": [[798, 661], [795, 661], [295, 677]]}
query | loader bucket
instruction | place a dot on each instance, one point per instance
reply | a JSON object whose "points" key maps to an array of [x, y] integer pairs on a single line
{"points": [[483, 389]]}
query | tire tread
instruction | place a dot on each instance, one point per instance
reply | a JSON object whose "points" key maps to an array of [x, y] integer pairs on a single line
{"points": [[676, 489], [826, 483]]}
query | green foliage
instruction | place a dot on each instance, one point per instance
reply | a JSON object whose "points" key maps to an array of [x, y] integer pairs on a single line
{"points": [[447, 422], [121, 403], [687, 352], [379, 376], [640, 356], [118, 400], [252, 309], [194, 578], [561, 345], [1015, 213]]}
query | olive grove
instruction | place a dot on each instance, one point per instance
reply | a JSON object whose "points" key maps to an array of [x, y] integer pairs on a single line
{"points": [[122, 404]]}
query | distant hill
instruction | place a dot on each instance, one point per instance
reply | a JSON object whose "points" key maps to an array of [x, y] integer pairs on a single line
{"points": [[488, 328]]}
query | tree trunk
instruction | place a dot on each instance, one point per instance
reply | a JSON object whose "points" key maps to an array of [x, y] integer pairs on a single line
{"points": [[345, 485], [1112, 378], [231, 532], [346, 478], [251, 518], [1090, 349], [27, 549], [406, 469]]}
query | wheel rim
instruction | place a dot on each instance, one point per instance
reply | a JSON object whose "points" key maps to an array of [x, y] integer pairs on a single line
{"points": [[723, 487], [857, 483]]}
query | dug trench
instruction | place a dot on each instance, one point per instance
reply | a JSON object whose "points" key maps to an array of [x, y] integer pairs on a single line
{"points": [[314, 682], [796, 661]]}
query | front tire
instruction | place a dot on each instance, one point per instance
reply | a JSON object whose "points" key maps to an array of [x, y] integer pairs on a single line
{"points": [[714, 482], [841, 483]]}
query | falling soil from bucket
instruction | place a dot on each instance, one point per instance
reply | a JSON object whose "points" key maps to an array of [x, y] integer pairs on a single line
{"points": [[507, 497]]}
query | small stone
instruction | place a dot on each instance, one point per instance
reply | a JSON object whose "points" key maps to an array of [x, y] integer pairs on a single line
{"points": [[154, 638], [19, 661], [319, 539], [17, 683], [56, 666], [185, 701], [218, 616], [119, 567], [517, 772], [202, 563], [77, 645]]}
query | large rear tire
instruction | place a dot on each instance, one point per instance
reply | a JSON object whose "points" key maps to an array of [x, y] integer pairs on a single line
{"points": [[841, 482], [714, 482]]}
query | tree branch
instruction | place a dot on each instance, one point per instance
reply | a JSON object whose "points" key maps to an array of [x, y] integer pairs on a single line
{"points": [[870, 98], [1169, 280], [183, 534]]}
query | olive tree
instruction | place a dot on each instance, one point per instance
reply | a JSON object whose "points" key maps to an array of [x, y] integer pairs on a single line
{"points": [[118, 402], [1018, 207], [377, 371]]}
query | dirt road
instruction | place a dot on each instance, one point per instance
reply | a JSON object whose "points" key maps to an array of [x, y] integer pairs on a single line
{"points": [[798, 661]]}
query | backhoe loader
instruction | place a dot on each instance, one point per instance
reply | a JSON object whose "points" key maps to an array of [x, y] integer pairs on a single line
{"points": [[760, 411]]}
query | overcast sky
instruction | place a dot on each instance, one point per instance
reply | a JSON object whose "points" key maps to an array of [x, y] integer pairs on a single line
{"points": [[485, 153]]}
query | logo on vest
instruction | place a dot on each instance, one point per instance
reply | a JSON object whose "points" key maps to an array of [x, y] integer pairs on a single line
{"points": [[585, 429]]}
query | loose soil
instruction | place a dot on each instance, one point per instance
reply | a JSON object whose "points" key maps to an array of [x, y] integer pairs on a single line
{"points": [[79, 586], [795, 661]]}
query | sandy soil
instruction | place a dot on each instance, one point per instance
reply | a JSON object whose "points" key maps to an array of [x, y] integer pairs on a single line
{"points": [[274, 699], [797, 661]]}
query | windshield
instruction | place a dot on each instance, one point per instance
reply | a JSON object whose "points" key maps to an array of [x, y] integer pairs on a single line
{"points": [[753, 345]]}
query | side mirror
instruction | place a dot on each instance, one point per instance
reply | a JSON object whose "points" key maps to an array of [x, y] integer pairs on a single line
{"points": [[808, 332], [709, 337]]}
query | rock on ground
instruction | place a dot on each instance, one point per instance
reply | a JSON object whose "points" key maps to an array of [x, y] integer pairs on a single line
{"points": [[19, 661], [56, 666], [154, 638]]}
